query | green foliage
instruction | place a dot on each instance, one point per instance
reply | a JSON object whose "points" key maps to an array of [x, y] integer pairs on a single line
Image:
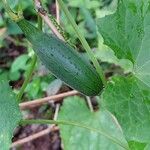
{"points": [[20, 63], [13, 3], [127, 33], [38, 86], [126, 39], [82, 12], [10, 115], [88, 25], [74, 109], [33, 88], [130, 104], [107, 55]]}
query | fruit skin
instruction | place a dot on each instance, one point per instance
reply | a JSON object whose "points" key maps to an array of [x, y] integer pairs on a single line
{"points": [[62, 60]]}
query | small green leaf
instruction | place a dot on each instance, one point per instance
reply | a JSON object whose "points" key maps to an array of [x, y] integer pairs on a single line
{"points": [[33, 89], [130, 103], [10, 115], [107, 55], [75, 138], [14, 76], [20, 63]]}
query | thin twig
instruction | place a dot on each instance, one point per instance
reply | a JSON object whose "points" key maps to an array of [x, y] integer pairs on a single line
{"points": [[56, 111], [57, 12], [55, 116], [37, 102], [42, 12], [50, 24], [34, 136], [89, 103]]}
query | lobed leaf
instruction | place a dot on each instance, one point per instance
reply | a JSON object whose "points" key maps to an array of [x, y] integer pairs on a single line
{"points": [[130, 103], [75, 110]]}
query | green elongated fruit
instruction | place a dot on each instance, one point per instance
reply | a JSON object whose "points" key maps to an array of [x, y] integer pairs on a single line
{"points": [[62, 60]]}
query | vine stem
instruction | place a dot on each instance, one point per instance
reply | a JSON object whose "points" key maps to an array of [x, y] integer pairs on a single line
{"points": [[64, 122], [31, 69], [83, 41], [27, 79], [40, 22]]}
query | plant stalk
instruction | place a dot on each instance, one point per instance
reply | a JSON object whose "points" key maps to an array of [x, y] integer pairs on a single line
{"points": [[27, 79], [83, 41]]}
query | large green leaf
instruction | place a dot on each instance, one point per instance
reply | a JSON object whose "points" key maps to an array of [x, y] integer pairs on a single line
{"points": [[127, 32], [74, 109], [130, 103], [10, 115]]}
